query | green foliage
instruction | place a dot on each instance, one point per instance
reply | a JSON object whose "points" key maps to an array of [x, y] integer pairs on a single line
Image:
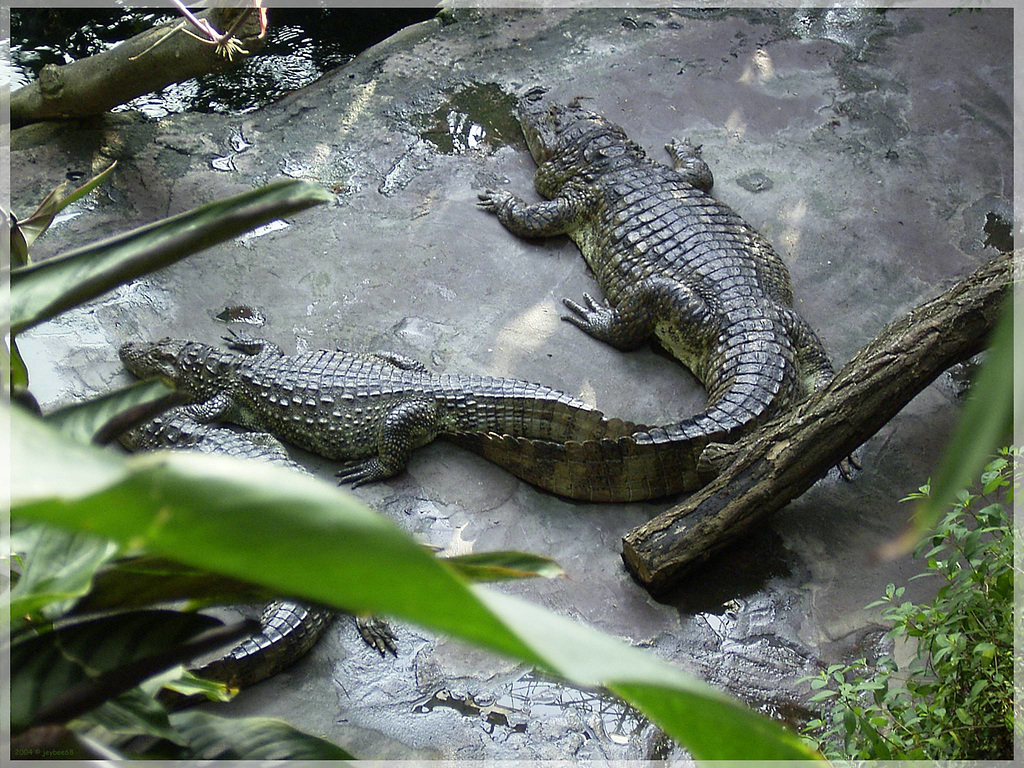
{"points": [[26, 231], [44, 289], [185, 507], [986, 421], [178, 513], [954, 700]]}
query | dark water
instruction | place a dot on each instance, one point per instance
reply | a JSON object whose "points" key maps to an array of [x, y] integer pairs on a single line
{"points": [[302, 45]]}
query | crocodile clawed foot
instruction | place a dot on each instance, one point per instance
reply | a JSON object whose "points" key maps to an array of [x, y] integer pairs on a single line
{"points": [[236, 342], [360, 472], [377, 634], [847, 466], [491, 200], [683, 150], [588, 317]]}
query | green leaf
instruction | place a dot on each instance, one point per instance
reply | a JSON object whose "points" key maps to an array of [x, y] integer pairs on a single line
{"points": [[502, 566], [19, 373], [133, 713], [187, 507], [83, 421], [39, 221], [27, 231], [42, 290], [143, 581], [987, 417], [187, 684], [59, 567], [86, 188], [19, 248], [249, 738], [44, 668]]}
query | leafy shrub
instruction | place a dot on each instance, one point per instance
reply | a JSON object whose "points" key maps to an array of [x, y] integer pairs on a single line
{"points": [[954, 700]]}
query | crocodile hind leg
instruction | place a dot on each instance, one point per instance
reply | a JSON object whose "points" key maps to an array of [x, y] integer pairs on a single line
{"points": [[377, 634], [406, 427], [816, 371], [632, 321], [688, 163]]}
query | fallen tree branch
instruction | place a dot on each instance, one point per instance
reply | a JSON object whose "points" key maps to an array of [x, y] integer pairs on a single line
{"points": [[767, 469], [141, 64]]}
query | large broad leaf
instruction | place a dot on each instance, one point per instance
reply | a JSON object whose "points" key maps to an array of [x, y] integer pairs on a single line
{"points": [[188, 508], [46, 668], [142, 581], [249, 738], [42, 290], [59, 567], [986, 420], [139, 582], [84, 421]]}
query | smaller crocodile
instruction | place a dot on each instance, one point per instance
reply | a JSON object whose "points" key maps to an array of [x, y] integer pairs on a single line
{"points": [[288, 629]]}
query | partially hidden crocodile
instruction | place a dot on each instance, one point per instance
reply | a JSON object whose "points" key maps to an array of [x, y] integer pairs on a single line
{"points": [[288, 629], [373, 410], [675, 264]]}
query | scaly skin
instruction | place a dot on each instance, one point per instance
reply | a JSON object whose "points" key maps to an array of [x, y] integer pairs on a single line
{"points": [[675, 264], [373, 410], [288, 629]]}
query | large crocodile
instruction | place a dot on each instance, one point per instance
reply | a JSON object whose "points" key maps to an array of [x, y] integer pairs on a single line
{"points": [[288, 629], [674, 263], [374, 409]]}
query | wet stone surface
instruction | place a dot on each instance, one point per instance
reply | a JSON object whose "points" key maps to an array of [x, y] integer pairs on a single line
{"points": [[891, 175]]}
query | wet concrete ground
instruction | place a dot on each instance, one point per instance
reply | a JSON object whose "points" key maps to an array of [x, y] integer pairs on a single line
{"points": [[873, 149]]}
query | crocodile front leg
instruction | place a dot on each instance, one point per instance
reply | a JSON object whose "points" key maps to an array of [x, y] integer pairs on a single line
{"points": [[544, 219], [217, 408], [406, 427]]}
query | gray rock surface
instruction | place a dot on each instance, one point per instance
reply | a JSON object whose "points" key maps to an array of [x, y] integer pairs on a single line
{"points": [[873, 149]]}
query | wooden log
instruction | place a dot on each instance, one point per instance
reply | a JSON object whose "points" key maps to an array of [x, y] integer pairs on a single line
{"points": [[766, 469], [98, 83]]}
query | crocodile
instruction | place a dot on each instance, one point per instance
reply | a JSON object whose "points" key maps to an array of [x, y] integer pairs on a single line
{"points": [[372, 410], [287, 629], [675, 264]]}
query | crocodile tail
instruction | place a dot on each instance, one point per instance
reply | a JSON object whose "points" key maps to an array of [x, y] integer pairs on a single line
{"points": [[608, 469], [524, 409], [288, 631], [753, 380]]}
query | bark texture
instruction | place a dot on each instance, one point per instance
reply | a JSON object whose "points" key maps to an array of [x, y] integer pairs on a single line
{"points": [[98, 83], [767, 469]]}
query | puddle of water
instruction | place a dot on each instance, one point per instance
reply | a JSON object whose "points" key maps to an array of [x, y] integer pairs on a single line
{"points": [[474, 118], [536, 698], [998, 232], [491, 715]]}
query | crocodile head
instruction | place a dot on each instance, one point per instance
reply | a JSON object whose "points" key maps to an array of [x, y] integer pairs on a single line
{"points": [[151, 359], [552, 128]]}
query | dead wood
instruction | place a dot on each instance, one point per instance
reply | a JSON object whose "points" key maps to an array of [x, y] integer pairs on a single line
{"points": [[765, 470], [134, 67]]}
